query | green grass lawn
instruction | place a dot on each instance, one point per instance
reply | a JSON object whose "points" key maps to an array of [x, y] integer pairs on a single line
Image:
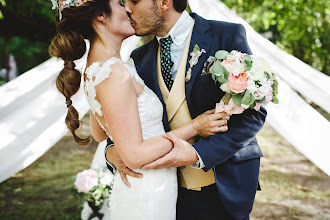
{"points": [[292, 187], [43, 190]]}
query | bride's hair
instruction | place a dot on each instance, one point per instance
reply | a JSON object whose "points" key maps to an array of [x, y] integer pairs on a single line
{"points": [[69, 45]]}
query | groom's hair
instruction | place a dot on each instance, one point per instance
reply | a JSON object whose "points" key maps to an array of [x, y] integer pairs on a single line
{"points": [[180, 5]]}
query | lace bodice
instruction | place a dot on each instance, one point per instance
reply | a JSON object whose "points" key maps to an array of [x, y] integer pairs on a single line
{"points": [[149, 106]]}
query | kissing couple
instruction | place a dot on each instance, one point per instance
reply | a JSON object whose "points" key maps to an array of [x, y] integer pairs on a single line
{"points": [[172, 155]]}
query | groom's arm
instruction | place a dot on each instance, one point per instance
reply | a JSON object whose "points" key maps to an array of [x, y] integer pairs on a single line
{"points": [[242, 128]]}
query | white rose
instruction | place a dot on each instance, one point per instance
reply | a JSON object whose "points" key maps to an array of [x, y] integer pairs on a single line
{"points": [[239, 68], [264, 90], [106, 178], [257, 72], [265, 65], [251, 86], [234, 55]]}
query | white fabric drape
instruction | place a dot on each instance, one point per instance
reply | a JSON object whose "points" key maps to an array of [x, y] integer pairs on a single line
{"points": [[293, 118], [32, 113]]}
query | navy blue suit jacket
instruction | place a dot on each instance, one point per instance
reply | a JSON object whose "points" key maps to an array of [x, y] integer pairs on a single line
{"points": [[235, 154]]}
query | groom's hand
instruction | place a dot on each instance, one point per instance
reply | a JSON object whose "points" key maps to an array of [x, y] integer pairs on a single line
{"points": [[114, 158], [182, 154]]}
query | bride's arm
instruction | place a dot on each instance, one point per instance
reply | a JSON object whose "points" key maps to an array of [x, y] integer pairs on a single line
{"points": [[120, 108], [119, 104], [97, 132]]}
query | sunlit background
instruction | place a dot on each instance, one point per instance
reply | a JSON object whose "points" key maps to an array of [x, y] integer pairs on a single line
{"points": [[38, 157]]}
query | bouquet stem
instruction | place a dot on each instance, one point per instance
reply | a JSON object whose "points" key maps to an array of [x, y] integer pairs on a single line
{"points": [[226, 98]]}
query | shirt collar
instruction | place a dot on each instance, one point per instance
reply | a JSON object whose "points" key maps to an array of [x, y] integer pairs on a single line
{"points": [[181, 29]]}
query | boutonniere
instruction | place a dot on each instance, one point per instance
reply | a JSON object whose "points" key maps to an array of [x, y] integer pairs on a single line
{"points": [[195, 54]]}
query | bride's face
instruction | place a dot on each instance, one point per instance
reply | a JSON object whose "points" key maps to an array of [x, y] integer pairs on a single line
{"points": [[119, 23]]}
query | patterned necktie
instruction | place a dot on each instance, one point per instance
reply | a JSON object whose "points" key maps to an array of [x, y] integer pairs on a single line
{"points": [[165, 61]]}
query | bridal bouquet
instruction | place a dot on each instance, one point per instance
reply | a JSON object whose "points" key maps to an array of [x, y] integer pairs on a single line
{"points": [[246, 79], [95, 183]]}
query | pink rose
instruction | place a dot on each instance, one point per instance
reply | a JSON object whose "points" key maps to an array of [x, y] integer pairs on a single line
{"points": [[86, 180], [229, 65], [238, 83]]}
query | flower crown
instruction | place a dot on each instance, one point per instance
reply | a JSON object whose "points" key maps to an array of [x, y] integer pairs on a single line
{"points": [[62, 4]]}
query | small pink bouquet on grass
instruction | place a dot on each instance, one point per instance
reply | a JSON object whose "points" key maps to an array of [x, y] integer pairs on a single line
{"points": [[246, 79], [95, 184]]}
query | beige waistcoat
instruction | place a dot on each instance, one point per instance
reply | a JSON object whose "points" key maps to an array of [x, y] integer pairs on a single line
{"points": [[178, 115]]}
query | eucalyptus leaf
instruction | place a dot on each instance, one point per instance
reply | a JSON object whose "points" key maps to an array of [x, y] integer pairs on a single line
{"points": [[217, 68], [275, 88], [221, 79], [275, 100], [237, 99], [225, 73], [211, 70], [267, 75], [221, 54], [248, 64], [261, 101], [248, 98], [214, 77]]}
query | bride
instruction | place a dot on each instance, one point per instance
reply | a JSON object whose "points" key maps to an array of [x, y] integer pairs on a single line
{"points": [[122, 107]]}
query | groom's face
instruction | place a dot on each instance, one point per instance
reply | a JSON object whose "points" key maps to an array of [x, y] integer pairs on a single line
{"points": [[145, 16]]}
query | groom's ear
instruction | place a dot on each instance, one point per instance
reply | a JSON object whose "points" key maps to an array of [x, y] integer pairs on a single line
{"points": [[166, 4]]}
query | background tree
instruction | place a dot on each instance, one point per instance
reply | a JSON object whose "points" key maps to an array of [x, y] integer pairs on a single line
{"points": [[26, 28], [300, 27]]}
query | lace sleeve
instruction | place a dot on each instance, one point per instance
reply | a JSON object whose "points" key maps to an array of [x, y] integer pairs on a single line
{"points": [[95, 75]]}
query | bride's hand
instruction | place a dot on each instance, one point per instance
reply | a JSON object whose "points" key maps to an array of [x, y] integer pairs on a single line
{"points": [[210, 123], [114, 158]]}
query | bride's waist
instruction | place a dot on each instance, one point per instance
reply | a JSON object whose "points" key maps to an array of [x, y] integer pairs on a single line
{"points": [[152, 131], [152, 180], [152, 175]]}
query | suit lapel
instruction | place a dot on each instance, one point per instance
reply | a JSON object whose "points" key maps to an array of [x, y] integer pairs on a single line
{"points": [[203, 39]]}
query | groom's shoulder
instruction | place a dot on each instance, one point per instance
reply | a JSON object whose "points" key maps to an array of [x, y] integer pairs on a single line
{"points": [[221, 26], [218, 26], [141, 51]]}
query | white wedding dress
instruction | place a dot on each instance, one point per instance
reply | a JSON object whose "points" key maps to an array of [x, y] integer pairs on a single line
{"points": [[154, 196]]}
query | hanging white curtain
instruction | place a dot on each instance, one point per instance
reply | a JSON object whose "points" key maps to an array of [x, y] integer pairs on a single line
{"points": [[32, 113]]}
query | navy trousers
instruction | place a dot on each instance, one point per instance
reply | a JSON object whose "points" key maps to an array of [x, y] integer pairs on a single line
{"points": [[201, 205]]}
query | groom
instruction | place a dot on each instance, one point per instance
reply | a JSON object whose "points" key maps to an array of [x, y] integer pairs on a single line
{"points": [[222, 182]]}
